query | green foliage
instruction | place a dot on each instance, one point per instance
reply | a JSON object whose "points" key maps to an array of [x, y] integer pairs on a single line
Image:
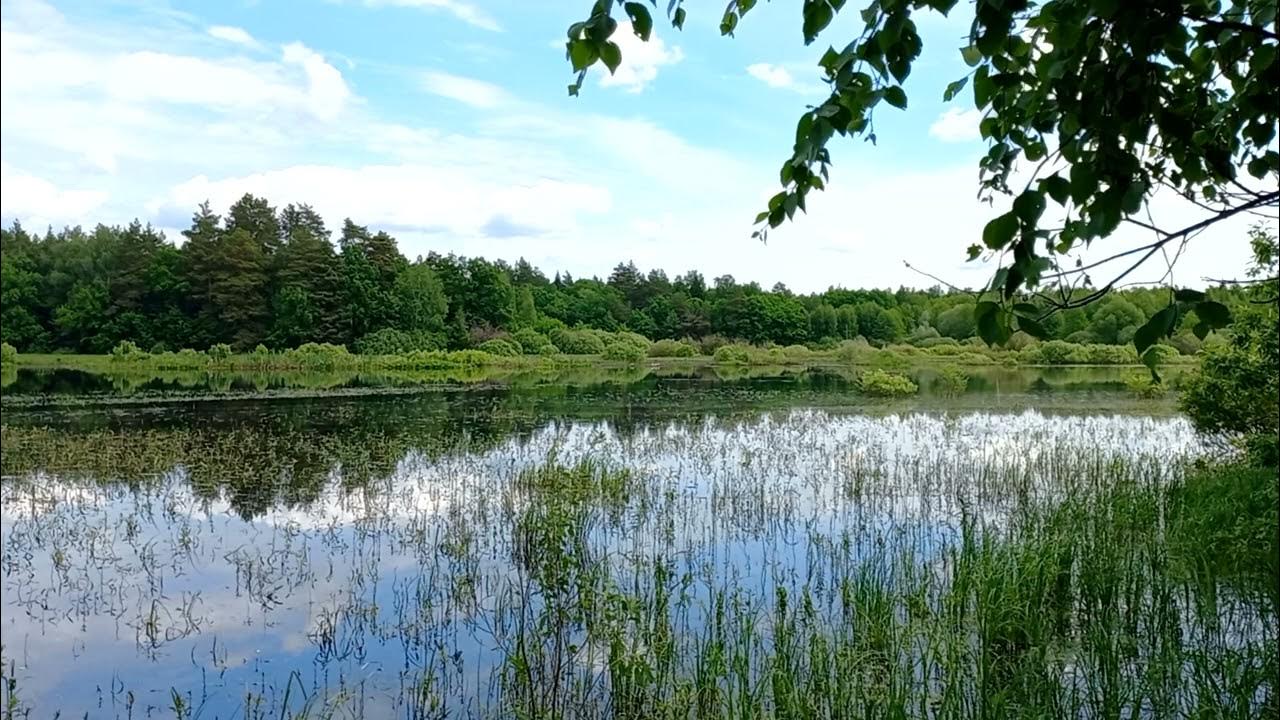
{"points": [[219, 352], [1142, 385], [500, 347], [952, 381], [8, 354], [1195, 110], [127, 350], [392, 341], [531, 341], [733, 355], [672, 348], [577, 342], [1234, 392], [622, 351], [882, 383]]}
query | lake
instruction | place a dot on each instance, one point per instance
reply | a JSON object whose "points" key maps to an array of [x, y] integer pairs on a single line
{"points": [[634, 544]]}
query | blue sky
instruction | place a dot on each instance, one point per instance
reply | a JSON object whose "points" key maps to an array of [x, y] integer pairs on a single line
{"points": [[447, 123]]}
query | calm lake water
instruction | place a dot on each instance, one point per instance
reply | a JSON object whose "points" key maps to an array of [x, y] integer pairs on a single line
{"points": [[380, 556]]}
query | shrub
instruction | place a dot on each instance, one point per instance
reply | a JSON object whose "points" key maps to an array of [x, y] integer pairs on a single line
{"points": [[531, 341], [886, 384], [501, 347], [158, 348], [732, 355], [548, 350], [577, 342], [855, 350], [940, 345], [127, 350], [623, 351], [952, 381], [973, 358], [389, 341], [922, 334], [1162, 353], [797, 352], [472, 358], [1143, 386], [711, 343], [261, 349], [8, 353], [634, 339], [219, 352], [672, 348]]}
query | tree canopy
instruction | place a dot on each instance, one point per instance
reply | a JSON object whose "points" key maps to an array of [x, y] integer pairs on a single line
{"points": [[1093, 104]]}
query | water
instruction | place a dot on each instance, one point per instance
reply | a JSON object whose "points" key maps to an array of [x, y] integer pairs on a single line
{"points": [[382, 555]]}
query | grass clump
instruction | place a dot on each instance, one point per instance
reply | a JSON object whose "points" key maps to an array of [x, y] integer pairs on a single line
{"points": [[882, 383], [672, 349], [621, 351], [733, 355], [501, 347]]}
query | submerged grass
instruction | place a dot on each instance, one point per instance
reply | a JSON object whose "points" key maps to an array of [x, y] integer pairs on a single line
{"points": [[793, 565]]}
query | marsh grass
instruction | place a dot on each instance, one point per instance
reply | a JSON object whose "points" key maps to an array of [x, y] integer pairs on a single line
{"points": [[794, 564]]}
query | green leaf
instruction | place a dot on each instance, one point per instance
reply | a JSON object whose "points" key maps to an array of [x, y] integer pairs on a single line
{"points": [[1160, 325], [677, 20], [582, 53], [974, 251], [1029, 205], [1033, 328], [1026, 309], [1202, 329], [1188, 296], [954, 89], [972, 55], [993, 327], [1215, 314], [728, 23], [1000, 231], [896, 97], [641, 20], [611, 54], [817, 15], [1151, 359], [1058, 187]]}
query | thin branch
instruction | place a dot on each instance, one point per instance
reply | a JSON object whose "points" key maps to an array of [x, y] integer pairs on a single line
{"points": [[1233, 25], [1256, 281], [937, 279]]}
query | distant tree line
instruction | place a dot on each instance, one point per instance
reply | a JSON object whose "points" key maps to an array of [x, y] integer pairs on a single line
{"points": [[259, 275]]}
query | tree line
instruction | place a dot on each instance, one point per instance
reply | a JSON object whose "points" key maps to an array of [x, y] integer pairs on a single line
{"points": [[279, 277]]}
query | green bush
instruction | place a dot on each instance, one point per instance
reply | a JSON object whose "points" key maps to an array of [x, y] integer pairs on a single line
{"points": [[952, 381], [1142, 385], [856, 350], [733, 355], [157, 348], [886, 384], [1161, 353], [577, 342], [531, 341], [672, 348], [389, 341], [623, 351], [923, 334], [548, 350], [500, 347], [636, 340], [470, 358], [940, 345], [261, 350], [219, 352], [8, 353], [797, 352], [709, 344], [127, 350]]}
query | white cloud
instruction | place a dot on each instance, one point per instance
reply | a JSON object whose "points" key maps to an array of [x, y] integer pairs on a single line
{"points": [[640, 59], [466, 12], [234, 35], [327, 93], [772, 75], [38, 202], [956, 125], [469, 91]]}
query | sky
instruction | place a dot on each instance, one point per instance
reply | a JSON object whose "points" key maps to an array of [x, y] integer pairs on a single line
{"points": [[447, 123]]}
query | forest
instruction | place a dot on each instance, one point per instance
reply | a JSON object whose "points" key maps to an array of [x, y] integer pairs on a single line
{"points": [[276, 277]]}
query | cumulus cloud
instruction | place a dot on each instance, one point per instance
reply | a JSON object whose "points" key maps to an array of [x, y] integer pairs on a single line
{"points": [[39, 202], [469, 91], [234, 35], [772, 75], [956, 125], [466, 12], [640, 59]]}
